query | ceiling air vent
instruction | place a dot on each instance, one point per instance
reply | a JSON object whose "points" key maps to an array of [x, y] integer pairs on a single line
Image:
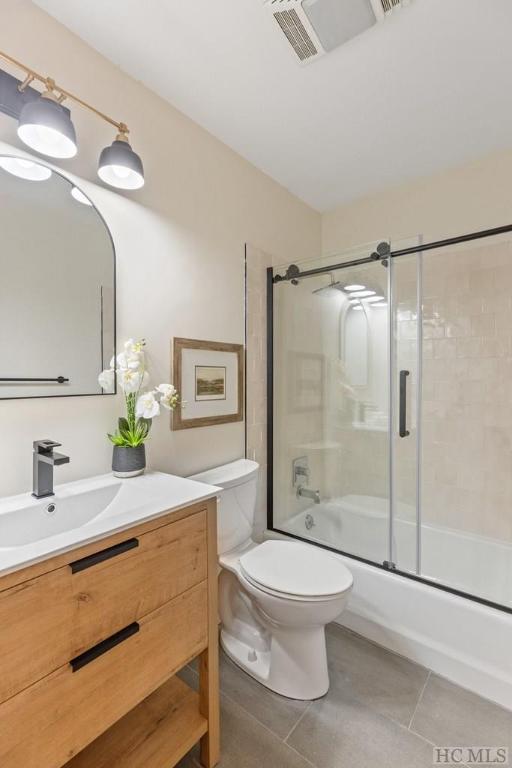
{"points": [[296, 34], [315, 27], [388, 5]]}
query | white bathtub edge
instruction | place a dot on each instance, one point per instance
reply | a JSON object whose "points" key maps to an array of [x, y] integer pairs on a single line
{"points": [[439, 661]]}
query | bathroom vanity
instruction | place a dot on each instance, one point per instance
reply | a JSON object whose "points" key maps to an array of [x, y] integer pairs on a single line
{"points": [[96, 620]]}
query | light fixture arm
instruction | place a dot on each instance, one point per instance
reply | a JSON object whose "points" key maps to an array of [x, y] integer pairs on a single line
{"points": [[62, 93]]}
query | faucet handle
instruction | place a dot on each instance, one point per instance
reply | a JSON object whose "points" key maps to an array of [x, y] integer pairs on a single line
{"points": [[300, 468], [45, 446]]}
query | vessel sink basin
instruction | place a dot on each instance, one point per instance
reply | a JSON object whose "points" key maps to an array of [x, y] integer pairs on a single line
{"points": [[84, 511]]}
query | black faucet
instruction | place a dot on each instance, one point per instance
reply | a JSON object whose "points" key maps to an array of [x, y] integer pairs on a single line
{"points": [[44, 460]]}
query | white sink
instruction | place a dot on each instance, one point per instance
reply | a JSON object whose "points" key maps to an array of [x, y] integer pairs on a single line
{"points": [[87, 510], [54, 515]]}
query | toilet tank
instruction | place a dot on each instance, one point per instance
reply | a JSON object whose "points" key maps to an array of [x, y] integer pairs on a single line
{"points": [[237, 503]]}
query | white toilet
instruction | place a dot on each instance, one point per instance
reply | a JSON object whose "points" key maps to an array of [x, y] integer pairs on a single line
{"points": [[275, 598]]}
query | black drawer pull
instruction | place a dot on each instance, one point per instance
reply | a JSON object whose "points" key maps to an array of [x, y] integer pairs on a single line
{"points": [[103, 554], [106, 645]]}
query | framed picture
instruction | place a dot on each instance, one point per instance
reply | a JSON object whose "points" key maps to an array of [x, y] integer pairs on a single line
{"points": [[209, 375], [210, 382]]}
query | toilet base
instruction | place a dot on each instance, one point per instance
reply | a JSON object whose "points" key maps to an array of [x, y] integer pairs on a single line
{"points": [[295, 665]]}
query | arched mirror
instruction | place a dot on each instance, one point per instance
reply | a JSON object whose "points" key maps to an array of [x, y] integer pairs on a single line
{"points": [[57, 285]]}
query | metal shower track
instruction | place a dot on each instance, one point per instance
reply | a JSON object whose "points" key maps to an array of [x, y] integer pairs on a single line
{"points": [[383, 252]]}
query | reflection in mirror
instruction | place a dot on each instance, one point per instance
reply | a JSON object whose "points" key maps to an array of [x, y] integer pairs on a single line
{"points": [[363, 321], [57, 292], [356, 347]]}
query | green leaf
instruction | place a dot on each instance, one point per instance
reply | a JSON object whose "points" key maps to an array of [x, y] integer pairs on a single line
{"points": [[123, 424], [117, 439], [126, 434], [142, 427], [131, 432]]}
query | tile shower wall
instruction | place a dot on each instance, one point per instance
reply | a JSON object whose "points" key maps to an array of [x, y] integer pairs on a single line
{"points": [[467, 390]]}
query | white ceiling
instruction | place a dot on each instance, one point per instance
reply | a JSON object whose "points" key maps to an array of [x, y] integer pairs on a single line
{"points": [[426, 90]]}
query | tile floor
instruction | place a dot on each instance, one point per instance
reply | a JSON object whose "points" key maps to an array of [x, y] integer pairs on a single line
{"points": [[382, 711]]}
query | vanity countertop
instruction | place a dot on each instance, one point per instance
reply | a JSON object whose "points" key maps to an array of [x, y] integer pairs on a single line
{"points": [[84, 511]]}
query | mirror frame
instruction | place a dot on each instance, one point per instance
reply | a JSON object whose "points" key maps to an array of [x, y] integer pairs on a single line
{"points": [[63, 175]]}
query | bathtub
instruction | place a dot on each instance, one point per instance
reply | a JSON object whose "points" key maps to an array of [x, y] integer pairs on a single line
{"points": [[359, 525], [463, 640]]}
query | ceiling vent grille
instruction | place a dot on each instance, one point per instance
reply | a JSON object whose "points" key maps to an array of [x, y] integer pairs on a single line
{"points": [[296, 33], [315, 27], [388, 5]]}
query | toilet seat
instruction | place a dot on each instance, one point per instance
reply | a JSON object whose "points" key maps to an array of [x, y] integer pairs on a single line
{"points": [[295, 571]]}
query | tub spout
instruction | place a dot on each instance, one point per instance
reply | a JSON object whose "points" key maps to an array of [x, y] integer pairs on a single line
{"points": [[308, 493]]}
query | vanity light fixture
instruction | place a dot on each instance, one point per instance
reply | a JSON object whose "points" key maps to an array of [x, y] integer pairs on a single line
{"points": [[45, 125], [25, 169], [79, 196], [119, 165], [362, 294], [354, 287]]}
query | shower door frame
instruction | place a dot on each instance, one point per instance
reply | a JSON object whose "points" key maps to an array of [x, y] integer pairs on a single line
{"points": [[294, 273]]}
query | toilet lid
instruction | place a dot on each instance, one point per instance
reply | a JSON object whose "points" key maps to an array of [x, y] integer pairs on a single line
{"points": [[296, 569]]}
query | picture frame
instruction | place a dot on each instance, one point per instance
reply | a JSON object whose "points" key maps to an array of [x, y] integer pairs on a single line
{"points": [[209, 375]]}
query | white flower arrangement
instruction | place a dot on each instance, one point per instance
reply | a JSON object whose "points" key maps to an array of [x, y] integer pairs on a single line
{"points": [[129, 368]]}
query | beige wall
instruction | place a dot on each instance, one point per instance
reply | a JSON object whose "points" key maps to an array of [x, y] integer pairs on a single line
{"points": [[180, 249], [476, 196]]}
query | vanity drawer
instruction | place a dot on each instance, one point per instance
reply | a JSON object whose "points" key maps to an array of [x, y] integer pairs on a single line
{"points": [[35, 630], [112, 593], [48, 723], [50, 619]]}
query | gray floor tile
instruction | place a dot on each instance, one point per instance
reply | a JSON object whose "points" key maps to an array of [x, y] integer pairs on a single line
{"points": [[245, 743], [274, 711], [189, 676], [355, 725], [381, 680], [451, 716], [338, 732], [188, 761]]}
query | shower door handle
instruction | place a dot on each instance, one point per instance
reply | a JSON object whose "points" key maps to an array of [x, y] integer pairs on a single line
{"points": [[402, 416]]}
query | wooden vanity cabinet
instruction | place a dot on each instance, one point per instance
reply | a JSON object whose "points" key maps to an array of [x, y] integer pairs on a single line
{"points": [[90, 643]]}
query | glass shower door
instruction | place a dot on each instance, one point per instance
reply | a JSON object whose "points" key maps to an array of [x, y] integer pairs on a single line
{"points": [[406, 376], [466, 445], [451, 458], [392, 410], [331, 408]]}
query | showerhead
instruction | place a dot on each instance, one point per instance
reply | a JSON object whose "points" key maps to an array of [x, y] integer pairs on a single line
{"points": [[327, 290]]}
